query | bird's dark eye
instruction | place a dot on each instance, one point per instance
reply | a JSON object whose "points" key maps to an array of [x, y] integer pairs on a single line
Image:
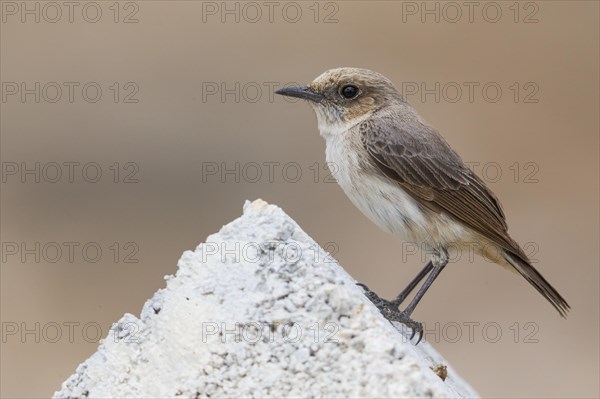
{"points": [[349, 91]]}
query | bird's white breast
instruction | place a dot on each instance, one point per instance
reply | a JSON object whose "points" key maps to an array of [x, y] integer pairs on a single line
{"points": [[381, 199]]}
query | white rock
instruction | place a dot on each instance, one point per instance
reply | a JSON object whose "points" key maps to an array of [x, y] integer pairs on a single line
{"points": [[260, 310]]}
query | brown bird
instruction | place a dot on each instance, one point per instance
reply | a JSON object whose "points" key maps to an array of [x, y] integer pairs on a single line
{"points": [[402, 174]]}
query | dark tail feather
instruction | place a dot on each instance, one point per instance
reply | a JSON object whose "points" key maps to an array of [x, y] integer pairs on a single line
{"points": [[539, 282]]}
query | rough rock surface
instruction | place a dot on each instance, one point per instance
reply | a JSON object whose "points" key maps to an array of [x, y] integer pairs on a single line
{"points": [[260, 310]]}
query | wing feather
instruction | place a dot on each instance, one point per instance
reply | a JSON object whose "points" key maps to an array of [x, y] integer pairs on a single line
{"points": [[425, 165]]}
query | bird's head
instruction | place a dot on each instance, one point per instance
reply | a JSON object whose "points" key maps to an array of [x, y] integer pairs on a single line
{"points": [[343, 97]]}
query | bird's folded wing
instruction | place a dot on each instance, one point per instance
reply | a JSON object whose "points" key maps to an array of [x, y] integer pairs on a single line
{"points": [[426, 167]]}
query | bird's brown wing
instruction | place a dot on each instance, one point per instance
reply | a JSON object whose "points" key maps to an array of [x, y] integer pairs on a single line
{"points": [[426, 167]]}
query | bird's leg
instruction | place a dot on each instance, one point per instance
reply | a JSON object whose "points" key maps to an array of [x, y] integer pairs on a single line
{"points": [[380, 302], [389, 309], [402, 296], [438, 264], [411, 286]]}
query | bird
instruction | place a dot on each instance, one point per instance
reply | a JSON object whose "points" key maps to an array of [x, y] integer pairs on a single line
{"points": [[404, 176]]}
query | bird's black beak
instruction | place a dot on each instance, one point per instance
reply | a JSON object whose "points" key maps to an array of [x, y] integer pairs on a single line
{"points": [[304, 92]]}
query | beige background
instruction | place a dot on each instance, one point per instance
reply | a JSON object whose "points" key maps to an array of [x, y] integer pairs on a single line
{"points": [[171, 133]]}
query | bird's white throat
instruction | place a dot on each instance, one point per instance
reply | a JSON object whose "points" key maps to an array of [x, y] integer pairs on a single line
{"points": [[334, 127]]}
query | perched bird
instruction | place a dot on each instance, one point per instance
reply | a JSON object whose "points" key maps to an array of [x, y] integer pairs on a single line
{"points": [[402, 174]]}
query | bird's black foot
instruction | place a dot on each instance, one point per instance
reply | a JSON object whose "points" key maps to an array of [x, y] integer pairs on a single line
{"points": [[389, 310]]}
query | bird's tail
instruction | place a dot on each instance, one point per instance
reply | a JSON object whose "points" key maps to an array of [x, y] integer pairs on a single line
{"points": [[524, 268]]}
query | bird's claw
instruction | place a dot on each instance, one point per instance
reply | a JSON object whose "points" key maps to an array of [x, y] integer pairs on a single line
{"points": [[390, 311], [416, 327]]}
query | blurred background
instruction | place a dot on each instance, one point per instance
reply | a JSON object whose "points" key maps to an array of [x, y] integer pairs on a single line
{"points": [[130, 131]]}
